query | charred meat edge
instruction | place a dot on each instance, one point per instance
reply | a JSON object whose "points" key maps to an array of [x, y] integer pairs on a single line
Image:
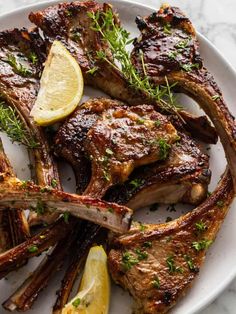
{"points": [[212, 213], [56, 23]]}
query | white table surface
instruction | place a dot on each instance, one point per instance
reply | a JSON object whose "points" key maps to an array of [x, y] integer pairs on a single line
{"points": [[216, 19]]}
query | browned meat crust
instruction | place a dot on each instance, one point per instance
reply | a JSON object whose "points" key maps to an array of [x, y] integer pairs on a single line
{"points": [[70, 23], [158, 263], [170, 49], [183, 177]]}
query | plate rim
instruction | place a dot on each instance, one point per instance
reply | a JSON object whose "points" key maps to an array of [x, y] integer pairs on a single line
{"points": [[232, 275]]}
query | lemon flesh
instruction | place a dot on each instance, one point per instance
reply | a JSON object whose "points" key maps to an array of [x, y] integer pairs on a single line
{"points": [[94, 293], [61, 87]]}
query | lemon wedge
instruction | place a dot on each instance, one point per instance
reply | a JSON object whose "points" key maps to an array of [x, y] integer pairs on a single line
{"points": [[61, 87], [94, 293]]}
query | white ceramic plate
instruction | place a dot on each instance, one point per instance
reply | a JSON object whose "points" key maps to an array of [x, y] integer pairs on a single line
{"points": [[219, 268]]}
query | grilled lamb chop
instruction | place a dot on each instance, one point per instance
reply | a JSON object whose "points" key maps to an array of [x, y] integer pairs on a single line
{"points": [[121, 139], [185, 173], [70, 23], [170, 49], [22, 54], [15, 193], [158, 265]]}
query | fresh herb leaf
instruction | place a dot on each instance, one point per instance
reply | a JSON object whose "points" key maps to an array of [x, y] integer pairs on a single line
{"points": [[215, 97], [76, 302], [167, 29], [92, 70], [147, 244], [141, 254], [118, 39], [164, 149], [136, 183], [190, 263], [182, 44], [128, 261], [173, 55], [33, 57], [200, 226], [18, 68], [188, 67], [33, 249], [201, 245], [40, 207], [66, 216], [157, 123], [14, 128], [142, 226], [54, 183], [171, 265], [156, 283]]}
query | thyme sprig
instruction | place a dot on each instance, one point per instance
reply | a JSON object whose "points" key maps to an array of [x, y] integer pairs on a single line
{"points": [[18, 67], [118, 39], [14, 128]]}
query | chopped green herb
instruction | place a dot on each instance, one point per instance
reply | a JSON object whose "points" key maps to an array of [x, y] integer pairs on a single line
{"points": [[201, 245], [76, 302], [92, 70], [141, 254], [173, 55], [190, 66], [147, 244], [200, 226], [142, 227], [66, 216], [182, 44], [136, 183], [156, 283], [157, 123], [190, 263], [171, 265], [33, 57], [164, 149], [167, 29], [40, 207], [128, 261], [215, 97], [18, 67], [54, 183], [33, 249], [69, 13], [140, 121], [208, 194], [111, 210]]}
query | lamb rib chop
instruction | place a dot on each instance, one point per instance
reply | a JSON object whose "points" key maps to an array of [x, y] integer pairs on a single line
{"points": [[70, 23], [158, 264], [120, 139], [15, 193], [21, 62], [185, 173], [170, 49]]}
